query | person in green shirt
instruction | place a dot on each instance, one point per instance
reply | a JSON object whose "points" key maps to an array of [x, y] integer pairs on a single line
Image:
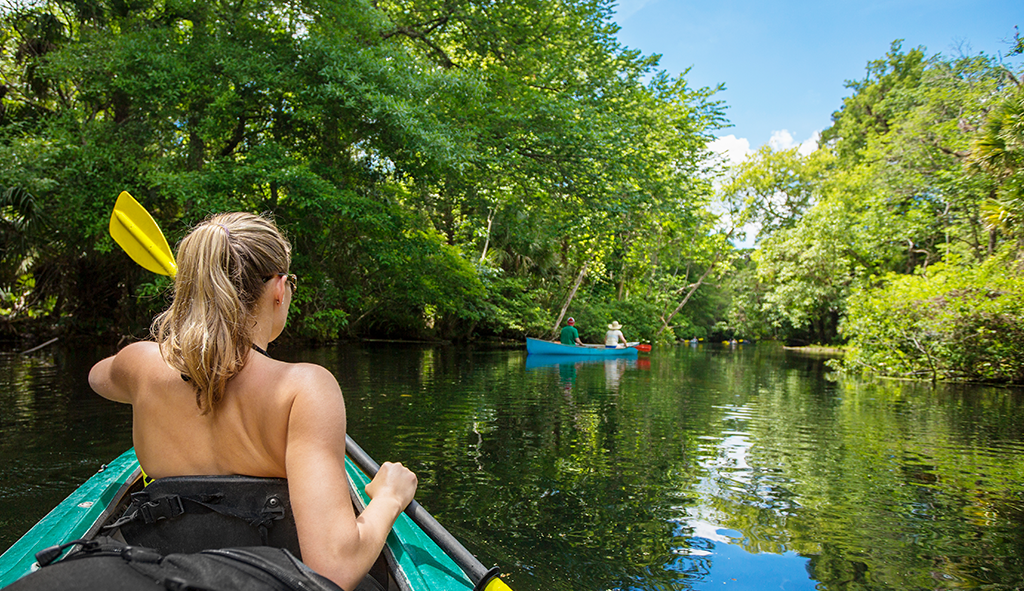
{"points": [[571, 336]]}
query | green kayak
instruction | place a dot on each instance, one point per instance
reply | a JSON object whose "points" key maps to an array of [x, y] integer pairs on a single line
{"points": [[415, 562]]}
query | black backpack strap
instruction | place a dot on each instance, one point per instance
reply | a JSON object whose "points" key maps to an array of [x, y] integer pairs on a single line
{"points": [[149, 511], [189, 514]]}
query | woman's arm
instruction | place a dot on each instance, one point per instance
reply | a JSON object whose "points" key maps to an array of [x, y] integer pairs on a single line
{"points": [[111, 378], [335, 542]]}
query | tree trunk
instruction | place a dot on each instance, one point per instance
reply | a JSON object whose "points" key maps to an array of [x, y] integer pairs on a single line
{"points": [[572, 294], [487, 239], [693, 288]]}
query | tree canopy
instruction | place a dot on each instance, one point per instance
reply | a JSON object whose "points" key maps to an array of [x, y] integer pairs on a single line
{"points": [[900, 235], [443, 171], [476, 169]]}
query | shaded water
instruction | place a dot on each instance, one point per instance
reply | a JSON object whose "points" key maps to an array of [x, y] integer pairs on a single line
{"points": [[691, 468]]}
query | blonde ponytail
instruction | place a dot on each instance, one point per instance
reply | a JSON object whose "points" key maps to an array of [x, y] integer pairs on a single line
{"points": [[223, 264]]}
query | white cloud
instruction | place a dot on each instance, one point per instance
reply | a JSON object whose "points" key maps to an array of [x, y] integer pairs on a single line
{"points": [[731, 148], [783, 140]]}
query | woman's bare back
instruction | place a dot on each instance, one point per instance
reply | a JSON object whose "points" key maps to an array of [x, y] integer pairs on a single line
{"points": [[276, 419], [245, 434]]}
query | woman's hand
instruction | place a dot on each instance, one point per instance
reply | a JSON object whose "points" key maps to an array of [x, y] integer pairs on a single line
{"points": [[393, 481]]}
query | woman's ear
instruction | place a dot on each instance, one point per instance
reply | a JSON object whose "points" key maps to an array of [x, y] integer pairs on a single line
{"points": [[277, 287], [280, 286]]}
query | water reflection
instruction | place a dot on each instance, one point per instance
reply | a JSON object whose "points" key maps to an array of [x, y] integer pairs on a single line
{"points": [[54, 433], [696, 467], [568, 365]]}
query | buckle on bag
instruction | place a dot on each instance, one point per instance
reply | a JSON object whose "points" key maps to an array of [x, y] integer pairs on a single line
{"points": [[163, 508]]}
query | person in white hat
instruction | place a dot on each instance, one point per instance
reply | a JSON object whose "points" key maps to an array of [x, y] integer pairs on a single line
{"points": [[613, 336]]}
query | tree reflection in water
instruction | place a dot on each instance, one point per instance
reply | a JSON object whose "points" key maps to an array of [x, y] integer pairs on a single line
{"points": [[692, 468]]}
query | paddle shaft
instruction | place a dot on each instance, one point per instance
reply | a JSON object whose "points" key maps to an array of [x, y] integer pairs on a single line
{"points": [[464, 558]]}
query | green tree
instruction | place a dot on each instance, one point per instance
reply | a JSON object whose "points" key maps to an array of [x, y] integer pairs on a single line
{"points": [[576, 160], [808, 270], [772, 189], [894, 188], [956, 321], [794, 279], [876, 101], [998, 150], [298, 109], [497, 146]]}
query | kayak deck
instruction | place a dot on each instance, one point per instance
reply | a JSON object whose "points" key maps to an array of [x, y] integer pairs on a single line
{"points": [[415, 562], [72, 518]]}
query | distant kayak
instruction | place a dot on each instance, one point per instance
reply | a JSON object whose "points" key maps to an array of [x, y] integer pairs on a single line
{"points": [[539, 347]]}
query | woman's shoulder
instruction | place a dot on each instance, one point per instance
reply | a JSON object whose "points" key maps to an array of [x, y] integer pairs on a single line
{"points": [[141, 348], [314, 398], [308, 371], [119, 377], [310, 379], [140, 356]]}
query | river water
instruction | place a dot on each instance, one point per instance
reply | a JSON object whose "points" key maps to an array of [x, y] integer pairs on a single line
{"points": [[690, 468]]}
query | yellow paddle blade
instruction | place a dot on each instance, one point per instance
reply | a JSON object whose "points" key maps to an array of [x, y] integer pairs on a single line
{"points": [[134, 230], [497, 584]]}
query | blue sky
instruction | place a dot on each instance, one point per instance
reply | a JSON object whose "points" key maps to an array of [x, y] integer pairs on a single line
{"points": [[785, 63]]}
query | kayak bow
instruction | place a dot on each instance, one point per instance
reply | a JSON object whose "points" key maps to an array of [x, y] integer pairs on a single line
{"points": [[415, 562]]}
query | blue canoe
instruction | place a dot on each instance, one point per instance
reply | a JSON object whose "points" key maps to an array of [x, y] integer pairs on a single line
{"points": [[539, 347], [415, 562]]}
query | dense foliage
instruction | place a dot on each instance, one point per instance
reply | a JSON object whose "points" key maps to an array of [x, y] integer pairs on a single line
{"points": [[473, 169], [901, 235], [444, 171], [953, 321]]}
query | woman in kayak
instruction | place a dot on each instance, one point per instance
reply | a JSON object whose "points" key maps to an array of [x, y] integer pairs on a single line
{"points": [[207, 400], [614, 336]]}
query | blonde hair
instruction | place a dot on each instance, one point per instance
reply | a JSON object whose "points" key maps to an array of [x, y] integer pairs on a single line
{"points": [[223, 265]]}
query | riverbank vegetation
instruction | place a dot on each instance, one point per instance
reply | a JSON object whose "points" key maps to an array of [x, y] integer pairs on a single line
{"points": [[472, 169], [901, 235]]}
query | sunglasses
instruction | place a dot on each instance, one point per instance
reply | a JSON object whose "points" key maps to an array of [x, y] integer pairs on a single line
{"points": [[293, 281]]}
